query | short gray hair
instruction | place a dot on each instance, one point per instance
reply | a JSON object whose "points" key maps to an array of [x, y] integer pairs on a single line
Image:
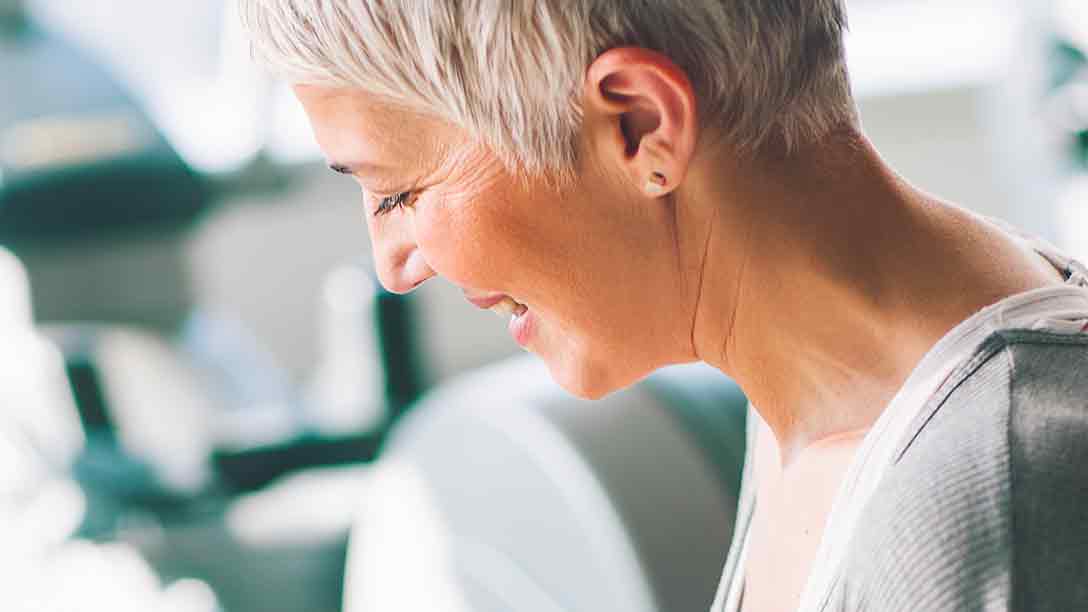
{"points": [[511, 71]]}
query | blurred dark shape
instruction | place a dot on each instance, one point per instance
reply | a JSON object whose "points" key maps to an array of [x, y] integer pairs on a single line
{"points": [[402, 376], [78, 157], [115, 476], [401, 352], [12, 16], [92, 197], [255, 468]]}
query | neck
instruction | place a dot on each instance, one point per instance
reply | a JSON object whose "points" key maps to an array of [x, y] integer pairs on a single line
{"points": [[826, 280]]}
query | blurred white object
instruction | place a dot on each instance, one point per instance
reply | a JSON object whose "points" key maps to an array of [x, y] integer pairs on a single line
{"points": [[15, 302], [303, 508], [501, 492], [40, 432], [1070, 18], [187, 64], [254, 397], [80, 575], [189, 595], [1073, 217], [152, 399], [966, 42], [40, 507], [34, 391], [960, 115], [160, 407], [347, 392], [58, 141]]}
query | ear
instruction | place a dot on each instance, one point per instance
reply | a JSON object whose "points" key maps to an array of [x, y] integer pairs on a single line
{"points": [[640, 114]]}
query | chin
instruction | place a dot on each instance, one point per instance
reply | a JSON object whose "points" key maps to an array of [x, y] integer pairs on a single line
{"points": [[589, 367], [588, 392], [586, 380]]}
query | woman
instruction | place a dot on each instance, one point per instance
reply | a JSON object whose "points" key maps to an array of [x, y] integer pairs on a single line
{"points": [[638, 184]]}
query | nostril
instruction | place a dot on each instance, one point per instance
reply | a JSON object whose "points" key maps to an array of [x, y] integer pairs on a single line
{"points": [[416, 270], [403, 279]]}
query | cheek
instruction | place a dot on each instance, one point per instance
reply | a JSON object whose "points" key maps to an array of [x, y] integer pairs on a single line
{"points": [[465, 242]]}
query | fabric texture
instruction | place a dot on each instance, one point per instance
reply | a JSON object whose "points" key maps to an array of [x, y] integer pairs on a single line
{"points": [[874, 458], [980, 484], [986, 507]]}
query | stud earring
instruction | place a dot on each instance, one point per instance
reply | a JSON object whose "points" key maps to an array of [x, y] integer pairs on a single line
{"points": [[655, 185]]}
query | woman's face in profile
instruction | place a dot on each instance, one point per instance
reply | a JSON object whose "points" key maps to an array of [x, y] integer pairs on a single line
{"points": [[606, 304]]}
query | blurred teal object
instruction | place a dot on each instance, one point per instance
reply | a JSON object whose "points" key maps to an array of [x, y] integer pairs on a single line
{"points": [[77, 156], [1071, 96], [1069, 77]]}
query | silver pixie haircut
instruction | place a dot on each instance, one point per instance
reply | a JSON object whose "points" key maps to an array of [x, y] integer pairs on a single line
{"points": [[512, 71]]}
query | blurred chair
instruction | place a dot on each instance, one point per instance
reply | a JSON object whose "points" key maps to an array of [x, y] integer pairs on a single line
{"points": [[501, 492]]}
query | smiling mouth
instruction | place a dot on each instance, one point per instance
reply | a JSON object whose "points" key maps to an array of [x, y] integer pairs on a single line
{"points": [[507, 307], [502, 305], [521, 322]]}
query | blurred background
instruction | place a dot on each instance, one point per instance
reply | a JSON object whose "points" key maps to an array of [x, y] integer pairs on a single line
{"points": [[208, 404]]}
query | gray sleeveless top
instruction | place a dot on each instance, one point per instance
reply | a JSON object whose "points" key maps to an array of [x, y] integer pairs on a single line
{"points": [[934, 530]]}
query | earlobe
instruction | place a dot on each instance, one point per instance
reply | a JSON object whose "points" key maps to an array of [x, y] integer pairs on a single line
{"points": [[656, 185], [641, 110]]}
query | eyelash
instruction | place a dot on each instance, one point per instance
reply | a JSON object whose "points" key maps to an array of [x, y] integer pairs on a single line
{"points": [[387, 205]]}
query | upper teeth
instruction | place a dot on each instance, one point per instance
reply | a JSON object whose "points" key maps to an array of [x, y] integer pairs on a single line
{"points": [[508, 307]]}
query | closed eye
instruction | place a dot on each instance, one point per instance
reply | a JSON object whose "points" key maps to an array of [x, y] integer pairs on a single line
{"points": [[388, 204]]}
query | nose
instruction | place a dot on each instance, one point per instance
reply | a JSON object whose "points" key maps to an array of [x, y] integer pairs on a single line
{"points": [[398, 260], [404, 271]]}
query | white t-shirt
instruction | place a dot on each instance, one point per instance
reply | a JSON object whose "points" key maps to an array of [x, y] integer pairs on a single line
{"points": [[1062, 309]]}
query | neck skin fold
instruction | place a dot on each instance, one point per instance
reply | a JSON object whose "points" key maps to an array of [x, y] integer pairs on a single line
{"points": [[825, 278]]}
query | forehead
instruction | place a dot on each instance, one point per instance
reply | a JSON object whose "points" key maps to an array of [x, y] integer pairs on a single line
{"points": [[354, 127]]}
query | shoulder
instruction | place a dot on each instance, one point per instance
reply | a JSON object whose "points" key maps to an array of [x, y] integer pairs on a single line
{"points": [[990, 479]]}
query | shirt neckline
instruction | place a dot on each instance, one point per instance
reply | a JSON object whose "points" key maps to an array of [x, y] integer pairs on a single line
{"points": [[877, 451], [953, 348]]}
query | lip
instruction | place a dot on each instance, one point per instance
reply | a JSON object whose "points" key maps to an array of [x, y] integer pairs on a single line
{"points": [[521, 328], [485, 302]]}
